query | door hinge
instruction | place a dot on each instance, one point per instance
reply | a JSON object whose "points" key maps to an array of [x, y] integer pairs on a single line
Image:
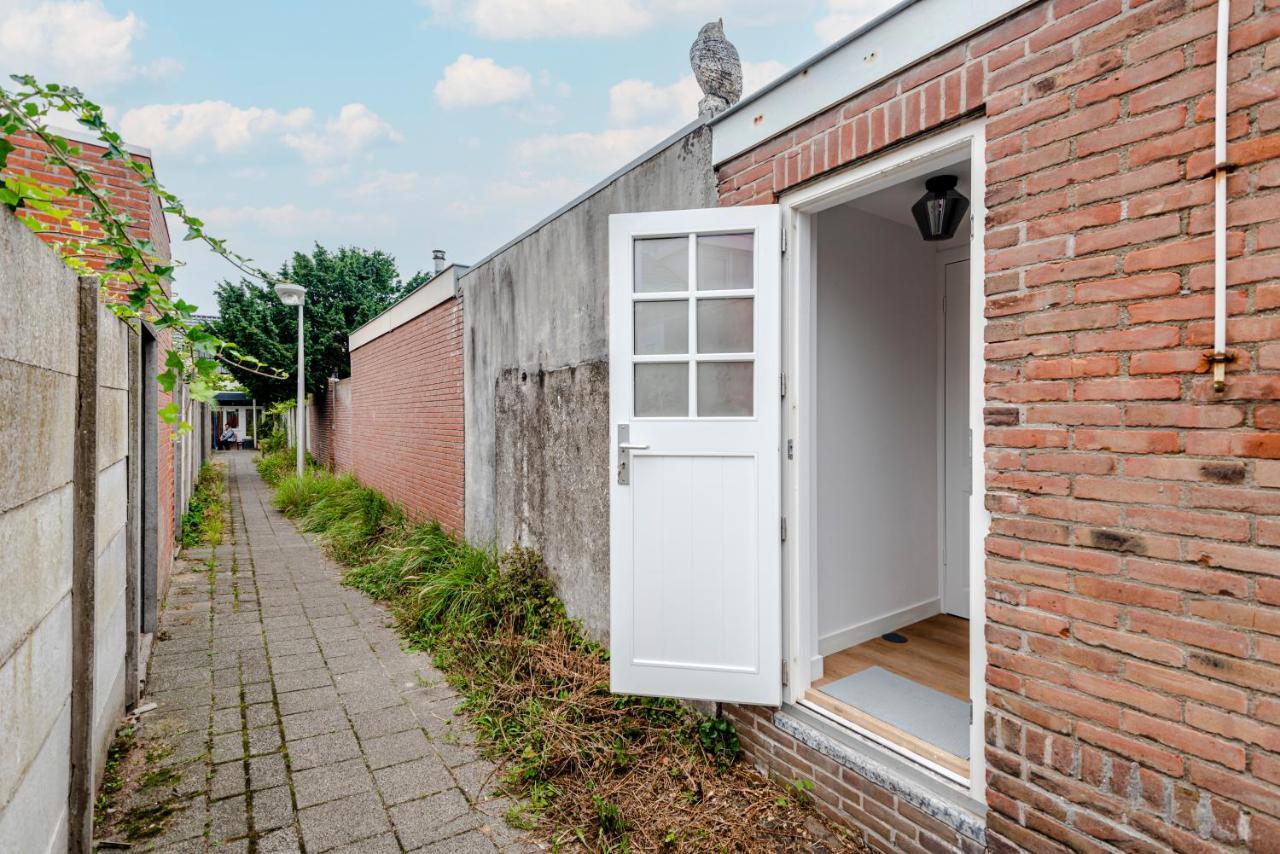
{"points": [[786, 673], [782, 383], [784, 529], [791, 449], [971, 713], [784, 240]]}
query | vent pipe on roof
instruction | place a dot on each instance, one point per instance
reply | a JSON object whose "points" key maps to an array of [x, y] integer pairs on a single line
{"points": [[437, 255]]}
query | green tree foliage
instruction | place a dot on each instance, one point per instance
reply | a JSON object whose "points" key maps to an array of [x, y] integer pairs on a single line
{"points": [[345, 289]]}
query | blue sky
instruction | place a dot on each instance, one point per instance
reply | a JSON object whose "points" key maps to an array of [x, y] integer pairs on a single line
{"points": [[403, 125]]}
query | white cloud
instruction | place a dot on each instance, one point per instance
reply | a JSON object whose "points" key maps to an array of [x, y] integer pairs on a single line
{"points": [[474, 82], [177, 127], [527, 186], [281, 219], [78, 43], [384, 183], [639, 102], [180, 127], [525, 19], [605, 150], [521, 19], [844, 16], [355, 128]]}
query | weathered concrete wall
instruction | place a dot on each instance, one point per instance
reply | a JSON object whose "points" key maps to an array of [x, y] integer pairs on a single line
{"points": [[535, 308], [38, 334]]}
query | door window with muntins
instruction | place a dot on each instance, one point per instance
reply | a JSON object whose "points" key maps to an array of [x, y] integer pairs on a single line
{"points": [[693, 314]]}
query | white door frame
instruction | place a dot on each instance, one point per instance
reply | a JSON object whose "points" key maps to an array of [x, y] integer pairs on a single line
{"points": [[799, 484], [945, 258]]}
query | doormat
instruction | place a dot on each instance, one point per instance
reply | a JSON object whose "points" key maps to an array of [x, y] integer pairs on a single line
{"points": [[919, 710]]}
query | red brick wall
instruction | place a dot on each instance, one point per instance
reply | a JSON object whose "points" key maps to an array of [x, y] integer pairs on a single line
{"points": [[1133, 584], [127, 195], [406, 415], [330, 427], [340, 426]]}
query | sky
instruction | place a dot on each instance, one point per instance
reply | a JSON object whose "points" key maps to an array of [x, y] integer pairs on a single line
{"points": [[401, 125]]}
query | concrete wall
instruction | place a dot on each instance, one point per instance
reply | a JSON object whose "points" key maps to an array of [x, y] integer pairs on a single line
{"points": [[536, 349], [38, 369]]}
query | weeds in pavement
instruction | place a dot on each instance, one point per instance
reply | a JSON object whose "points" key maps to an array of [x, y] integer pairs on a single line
{"points": [[593, 769], [202, 523], [137, 795]]}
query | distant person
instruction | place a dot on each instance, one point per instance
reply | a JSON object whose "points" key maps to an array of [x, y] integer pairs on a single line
{"points": [[225, 440]]}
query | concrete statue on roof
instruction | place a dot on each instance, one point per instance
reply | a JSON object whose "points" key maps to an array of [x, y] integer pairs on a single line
{"points": [[717, 69]]}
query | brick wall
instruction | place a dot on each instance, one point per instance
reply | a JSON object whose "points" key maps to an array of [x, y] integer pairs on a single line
{"points": [[340, 426], [1133, 584], [127, 195], [406, 414], [329, 427]]}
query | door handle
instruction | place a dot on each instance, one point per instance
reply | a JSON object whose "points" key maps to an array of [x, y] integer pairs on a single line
{"points": [[625, 447]]}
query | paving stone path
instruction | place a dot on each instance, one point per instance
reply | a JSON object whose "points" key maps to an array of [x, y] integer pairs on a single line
{"points": [[301, 723]]}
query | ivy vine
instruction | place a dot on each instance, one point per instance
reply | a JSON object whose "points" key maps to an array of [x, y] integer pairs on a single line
{"points": [[135, 264]]}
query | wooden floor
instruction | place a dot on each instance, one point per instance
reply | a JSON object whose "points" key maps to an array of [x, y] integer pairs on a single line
{"points": [[936, 654]]}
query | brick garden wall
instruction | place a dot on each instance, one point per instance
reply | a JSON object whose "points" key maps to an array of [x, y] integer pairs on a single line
{"points": [[127, 195], [1133, 584], [329, 429], [406, 422]]}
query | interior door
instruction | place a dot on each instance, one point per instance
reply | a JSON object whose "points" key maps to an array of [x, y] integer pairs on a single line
{"points": [[958, 444], [695, 415]]}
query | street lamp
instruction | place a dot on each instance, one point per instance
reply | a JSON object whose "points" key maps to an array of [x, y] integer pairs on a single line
{"points": [[291, 294]]}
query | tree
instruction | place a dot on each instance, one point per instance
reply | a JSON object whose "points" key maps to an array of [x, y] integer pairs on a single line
{"points": [[345, 289]]}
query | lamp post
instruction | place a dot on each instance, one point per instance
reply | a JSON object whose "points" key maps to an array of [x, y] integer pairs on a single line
{"points": [[291, 294]]}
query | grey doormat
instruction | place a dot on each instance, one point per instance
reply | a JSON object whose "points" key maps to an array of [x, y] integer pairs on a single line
{"points": [[929, 715]]}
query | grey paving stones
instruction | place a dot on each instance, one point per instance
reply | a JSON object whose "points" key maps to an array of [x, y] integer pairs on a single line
{"points": [[342, 822], [348, 739], [434, 818], [395, 748], [330, 782], [323, 750], [410, 781]]}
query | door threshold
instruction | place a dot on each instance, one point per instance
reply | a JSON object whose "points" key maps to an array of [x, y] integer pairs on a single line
{"points": [[951, 768]]}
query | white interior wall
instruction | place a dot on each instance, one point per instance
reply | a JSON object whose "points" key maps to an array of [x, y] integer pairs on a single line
{"points": [[878, 314]]}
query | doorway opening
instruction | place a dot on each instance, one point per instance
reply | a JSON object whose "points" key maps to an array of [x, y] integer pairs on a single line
{"points": [[885, 352]]}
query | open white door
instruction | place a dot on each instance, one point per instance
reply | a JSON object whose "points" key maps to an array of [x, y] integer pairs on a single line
{"points": [[695, 414]]}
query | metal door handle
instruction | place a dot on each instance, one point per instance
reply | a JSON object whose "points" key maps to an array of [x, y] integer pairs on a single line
{"points": [[625, 447]]}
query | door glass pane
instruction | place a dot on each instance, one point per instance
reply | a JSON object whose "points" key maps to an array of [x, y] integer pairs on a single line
{"points": [[662, 390], [725, 388], [725, 325], [662, 327], [662, 264], [725, 262]]}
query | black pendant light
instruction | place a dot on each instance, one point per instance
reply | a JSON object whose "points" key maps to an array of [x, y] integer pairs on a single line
{"points": [[939, 211]]}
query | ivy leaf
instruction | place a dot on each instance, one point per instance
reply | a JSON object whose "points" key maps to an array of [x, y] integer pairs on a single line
{"points": [[169, 412]]}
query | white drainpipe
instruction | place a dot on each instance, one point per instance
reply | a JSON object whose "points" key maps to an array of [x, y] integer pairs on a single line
{"points": [[1219, 356]]}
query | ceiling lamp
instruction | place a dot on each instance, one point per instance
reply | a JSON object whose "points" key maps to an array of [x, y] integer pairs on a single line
{"points": [[939, 211]]}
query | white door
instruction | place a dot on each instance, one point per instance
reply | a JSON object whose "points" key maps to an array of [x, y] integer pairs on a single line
{"points": [[958, 444], [695, 413]]}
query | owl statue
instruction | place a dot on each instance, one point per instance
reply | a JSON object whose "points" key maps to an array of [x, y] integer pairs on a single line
{"points": [[717, 69]]}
